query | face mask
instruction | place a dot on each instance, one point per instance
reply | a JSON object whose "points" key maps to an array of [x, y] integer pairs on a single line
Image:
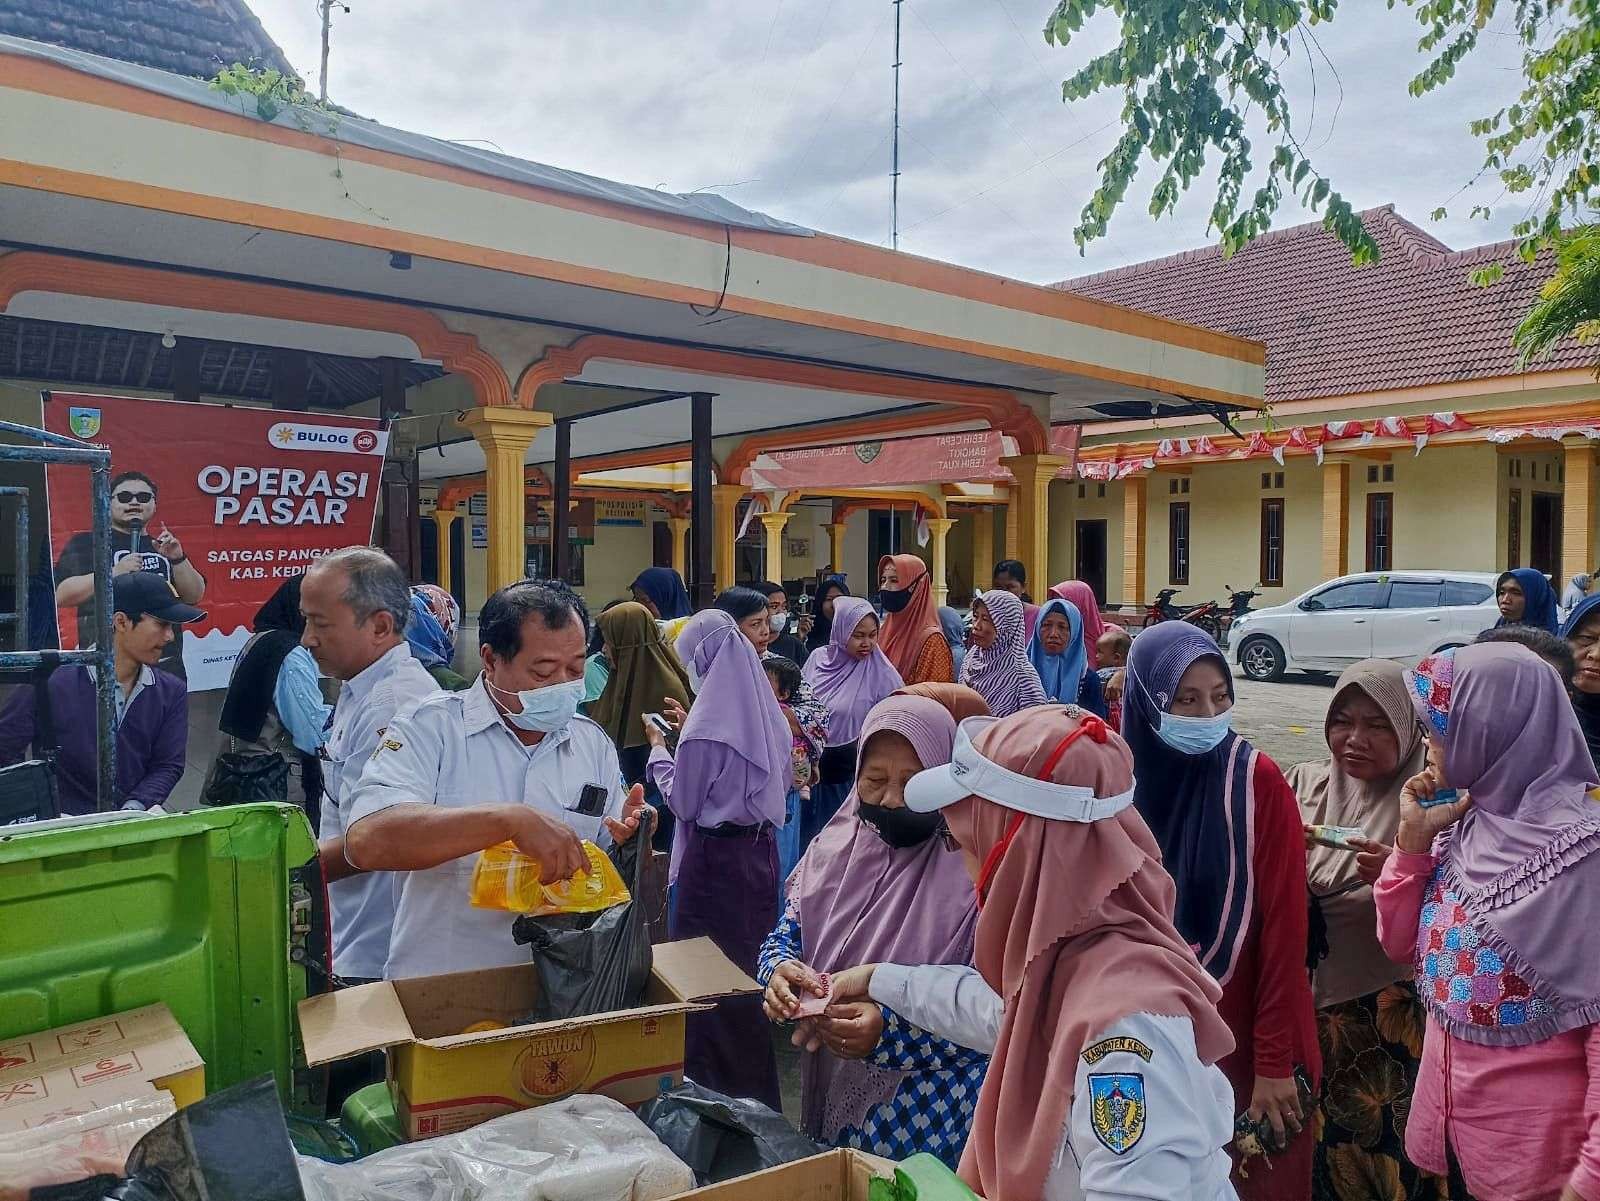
{"points": [[779, 622], [894, 600], [547, 709], [694, 676], [1194, 735], [901, 828]]}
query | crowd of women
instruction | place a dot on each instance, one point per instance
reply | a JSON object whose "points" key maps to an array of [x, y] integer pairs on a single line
{"points": [[1024, 899]]}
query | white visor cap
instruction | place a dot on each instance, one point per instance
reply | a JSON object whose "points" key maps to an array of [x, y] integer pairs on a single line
{"points": [[969, 774]]}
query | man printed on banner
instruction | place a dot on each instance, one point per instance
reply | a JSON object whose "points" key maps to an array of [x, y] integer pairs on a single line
{"points": [[137, 544]]}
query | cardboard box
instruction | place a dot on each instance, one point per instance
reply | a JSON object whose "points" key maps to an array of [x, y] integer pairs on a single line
{"points": [[444, 1080], [73, 1069], [832, 1176]]}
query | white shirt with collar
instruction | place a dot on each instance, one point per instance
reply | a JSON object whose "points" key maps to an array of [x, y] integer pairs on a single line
{"points": [[454, 750], [363, 905], [1185, 1117]]}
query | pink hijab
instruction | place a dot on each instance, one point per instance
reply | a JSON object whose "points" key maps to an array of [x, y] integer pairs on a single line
{"points": [[860, 900], [1523, 858], [1075, 934], [1081, 595]]}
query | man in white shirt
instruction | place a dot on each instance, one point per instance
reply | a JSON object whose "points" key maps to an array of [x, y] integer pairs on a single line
{"points": [[507, 760], [355, 603]]}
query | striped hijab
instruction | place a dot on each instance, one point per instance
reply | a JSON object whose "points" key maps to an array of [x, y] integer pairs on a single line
{"points": [[1200, 807], [1001, 674]]}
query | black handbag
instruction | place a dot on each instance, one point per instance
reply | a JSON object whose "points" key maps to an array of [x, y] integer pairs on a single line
{"points": [[28, 789], [242, 777]]}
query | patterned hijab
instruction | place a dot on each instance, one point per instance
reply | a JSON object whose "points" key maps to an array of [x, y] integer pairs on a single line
{"points": [[1001, 673], [859, 900], [1523, 857], [1199, 807], [848, 686], [431, 626]]}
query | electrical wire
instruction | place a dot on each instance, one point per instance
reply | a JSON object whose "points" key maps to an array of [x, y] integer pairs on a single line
{"points": [[827, 113]]}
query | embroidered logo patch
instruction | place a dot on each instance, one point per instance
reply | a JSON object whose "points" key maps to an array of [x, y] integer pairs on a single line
{"points": [[1116, 1110], [1107, 1046], [388, 744]]}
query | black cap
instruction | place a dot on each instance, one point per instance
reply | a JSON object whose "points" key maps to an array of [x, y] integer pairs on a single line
{"points": [[145, 592]]}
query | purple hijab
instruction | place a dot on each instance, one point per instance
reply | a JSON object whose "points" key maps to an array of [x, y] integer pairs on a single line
{"points": [[1523, 858], [859, 900], [848, 686], [734, 705], [1001, 674]]}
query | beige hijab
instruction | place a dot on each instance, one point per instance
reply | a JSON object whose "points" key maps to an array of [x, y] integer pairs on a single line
{"points": [[1356, 965]]}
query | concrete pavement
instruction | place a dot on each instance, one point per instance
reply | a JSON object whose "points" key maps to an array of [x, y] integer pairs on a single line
{"points": [[1284, 720]]}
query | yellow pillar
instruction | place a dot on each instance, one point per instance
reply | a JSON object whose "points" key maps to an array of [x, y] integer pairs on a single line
{"points": [[1577, 510], [680, 553], [1335, 518], [983, 558], [774, 523], [1133, 539], [836, 531], [725, 500], [505, 435], [939, 529], [444, 519], [1030, 500], [1013, 530]]}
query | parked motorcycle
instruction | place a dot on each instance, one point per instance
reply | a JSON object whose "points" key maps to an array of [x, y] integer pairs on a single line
{"points": [[1204, 616], [1238, 604]]}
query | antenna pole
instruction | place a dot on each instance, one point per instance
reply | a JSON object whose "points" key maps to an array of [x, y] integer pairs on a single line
{"points": [[894, 175], [325, 7]]}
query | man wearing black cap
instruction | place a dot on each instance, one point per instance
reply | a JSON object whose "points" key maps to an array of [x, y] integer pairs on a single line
{"points": [[152, 706]]}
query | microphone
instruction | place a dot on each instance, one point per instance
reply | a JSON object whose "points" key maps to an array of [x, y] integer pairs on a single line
{"points": [[135, 529]]}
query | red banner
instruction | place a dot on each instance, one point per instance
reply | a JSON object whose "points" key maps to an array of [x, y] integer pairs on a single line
{"points": [[972, 458], [225, 503]]}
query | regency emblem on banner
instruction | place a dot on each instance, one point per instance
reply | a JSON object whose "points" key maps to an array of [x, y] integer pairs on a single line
{"points": [[867, 451], [84, 423]]}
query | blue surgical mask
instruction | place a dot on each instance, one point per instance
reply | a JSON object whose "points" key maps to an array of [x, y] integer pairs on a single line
{"points": [[547, 709], [1194, 735]]}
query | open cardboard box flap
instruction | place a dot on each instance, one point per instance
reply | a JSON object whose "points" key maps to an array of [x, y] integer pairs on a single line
{"points": [[389, 1013]]}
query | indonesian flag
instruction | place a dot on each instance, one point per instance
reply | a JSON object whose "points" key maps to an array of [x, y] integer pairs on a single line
{"points": [[1392, 427], [1257, 446], [924, 534], [1205, 446], [1446, 422], [1172, 448], [758, 504]]}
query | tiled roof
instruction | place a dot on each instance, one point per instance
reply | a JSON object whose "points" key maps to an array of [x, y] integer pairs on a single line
{"points": [[186, 37], [1331, 329]]}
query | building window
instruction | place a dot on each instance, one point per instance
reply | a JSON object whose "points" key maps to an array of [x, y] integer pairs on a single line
{"points": [[1266, 480], [1277, 480], [1178, 543], [1272, 542], [1082, 491], [1100, 492], [1514, 529], [1172, 487], [1380, 531], [1388, 473], [1372, 475]]}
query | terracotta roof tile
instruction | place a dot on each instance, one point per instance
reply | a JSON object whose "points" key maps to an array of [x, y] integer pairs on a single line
{"points": [[186, 37], [1331, 329]]}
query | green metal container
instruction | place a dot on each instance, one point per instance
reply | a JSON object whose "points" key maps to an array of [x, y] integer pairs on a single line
{"points": [[214, 912]]}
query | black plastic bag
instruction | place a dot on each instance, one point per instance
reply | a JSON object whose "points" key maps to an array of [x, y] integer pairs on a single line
{"points": [[594, 962], [231, 1146], [723, 1137]]}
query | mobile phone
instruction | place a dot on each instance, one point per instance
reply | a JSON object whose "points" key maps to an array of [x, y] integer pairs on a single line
{"points": [[1337, 837], [592, 800], [659, 724], [1445, 796]]}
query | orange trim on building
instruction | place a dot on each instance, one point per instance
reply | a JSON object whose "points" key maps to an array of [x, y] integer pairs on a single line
{"points": [[858, 495], [1000, 407], [820, 250], [34, 271]]}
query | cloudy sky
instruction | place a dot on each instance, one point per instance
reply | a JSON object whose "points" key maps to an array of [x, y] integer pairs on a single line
{"points": [[784, 106]]}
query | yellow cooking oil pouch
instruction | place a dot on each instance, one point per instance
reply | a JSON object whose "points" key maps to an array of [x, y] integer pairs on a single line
{"points": [[505, 878]]}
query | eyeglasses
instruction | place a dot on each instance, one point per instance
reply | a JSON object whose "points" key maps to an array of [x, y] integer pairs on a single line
{"points": [[135, 498]]}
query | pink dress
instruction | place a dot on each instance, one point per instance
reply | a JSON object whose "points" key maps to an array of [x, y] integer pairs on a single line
{"points": [[1523, 1121]]}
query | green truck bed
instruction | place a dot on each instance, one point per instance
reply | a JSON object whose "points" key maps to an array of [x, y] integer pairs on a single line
{"points": [[216, 912]]}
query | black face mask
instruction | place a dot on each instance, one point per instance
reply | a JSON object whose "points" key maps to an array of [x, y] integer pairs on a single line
{"points": [[894, 600], [901, 828]]}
